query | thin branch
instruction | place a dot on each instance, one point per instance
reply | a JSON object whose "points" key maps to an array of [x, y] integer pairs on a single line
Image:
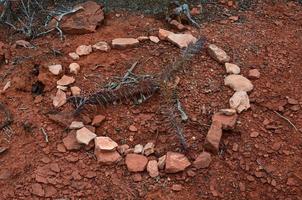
{"points": [[286, 120], [45, 134]]}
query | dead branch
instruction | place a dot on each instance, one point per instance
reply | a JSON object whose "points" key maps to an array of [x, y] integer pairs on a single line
{"points": [[45, 134], [286, 119]]}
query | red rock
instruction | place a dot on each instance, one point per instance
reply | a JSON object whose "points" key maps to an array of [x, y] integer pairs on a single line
{"points": [[50, 191], [136, 162], [37, 190], [254, 74], [292, 101], [202, 161], [54, 167], [40, 179], [152, 168], [213, 137], [228, 122], [107, 157], [176, 187], [132, 128], [196, 11], [124, 43], [176, 162], [137, 177], [178, 25], [85, 20], [70, 141], [61, 148], [97, 120], [254, 134]]}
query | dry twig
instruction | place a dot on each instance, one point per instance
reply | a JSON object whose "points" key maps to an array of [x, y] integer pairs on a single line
{"points": [[286, 119]]}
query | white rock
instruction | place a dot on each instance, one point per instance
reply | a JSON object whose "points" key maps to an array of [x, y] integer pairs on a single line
{"points": [[105, 144], [84, 50], [228, 111], [142, 38], [218, 54], [55, 69], [74, 56], [84, 135], [60, 99], [240, 101], [75, 90], [74, 68], [181, 40], [148, 149], [63, 88], [66, 80], [232, 68], [123, 43], [163, 34], [138, 148], [76, 125], [101, 46], [154, 39], [238, 83]]}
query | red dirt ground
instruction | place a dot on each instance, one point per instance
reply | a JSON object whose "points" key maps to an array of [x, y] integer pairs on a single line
{"points": [[268, 38]]}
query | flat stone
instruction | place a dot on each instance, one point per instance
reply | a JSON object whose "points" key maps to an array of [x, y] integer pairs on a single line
{"points": [[238, 83], [232, 68], [55, 69], [86, 20], [37, 190], [148, 148], [74, 56], [84, 50], [292, 101], [97, 120], [101, 46], [124, 43], [105, 143], [154, 39], [152, 168], [84, 136], [240, 101], [60, 99], [61, 148], [76, 125], [75, 91], [218, 54], [176, 162], [107, 157], [136, 162], [138, 148], [163, 34], [202, 161], [228, 122], [254, 74], [162, 162], [74, 68], [181, 40], [66, 80], [213, 137]]}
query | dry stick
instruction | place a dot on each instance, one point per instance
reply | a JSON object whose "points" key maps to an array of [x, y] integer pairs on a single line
{"points": [[45, 134], [130, 70], [286, 120]]}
